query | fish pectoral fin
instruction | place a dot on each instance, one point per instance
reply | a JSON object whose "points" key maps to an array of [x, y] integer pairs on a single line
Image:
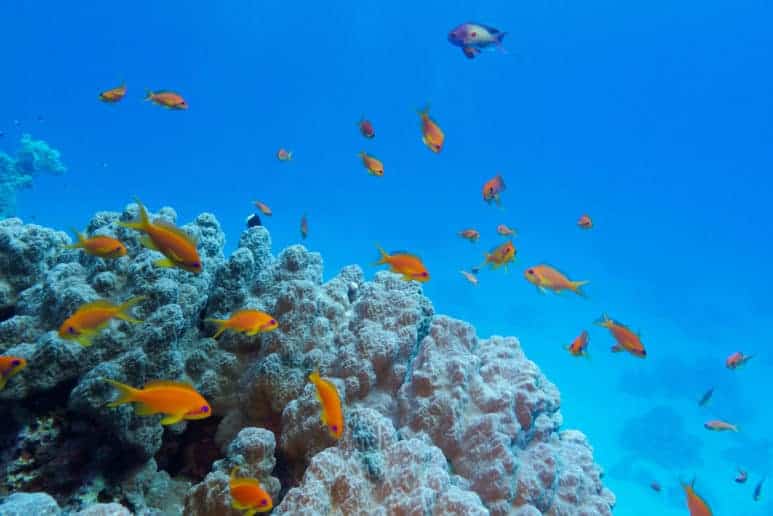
{"points": [[541, 289], [164, 262], [86, 338], [617, 348], [406, 277], [172, 419], [146, 241], [144, 410]]}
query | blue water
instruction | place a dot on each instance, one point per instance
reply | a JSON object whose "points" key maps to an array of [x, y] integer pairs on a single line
{"points": [[654, 118]]}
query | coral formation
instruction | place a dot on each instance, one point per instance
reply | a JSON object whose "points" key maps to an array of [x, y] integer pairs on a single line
{"points": [[437, 420], [34, 157]]}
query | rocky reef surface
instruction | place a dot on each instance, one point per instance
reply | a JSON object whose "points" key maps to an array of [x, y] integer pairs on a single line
{"points": [[438, 421]]}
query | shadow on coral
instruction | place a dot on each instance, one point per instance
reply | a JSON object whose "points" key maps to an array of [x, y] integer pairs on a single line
{"points": [[191, 453]]}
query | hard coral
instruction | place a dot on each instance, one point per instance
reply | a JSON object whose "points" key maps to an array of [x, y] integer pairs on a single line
{"points": [[34, 157]]}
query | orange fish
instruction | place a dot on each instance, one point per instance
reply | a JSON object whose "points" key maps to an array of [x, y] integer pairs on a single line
{"points": [[90, 318], [579, 346], [717, 425], [284, 155], [374, 166], [504, 230], [366, 128], [696, 505], [737, 359], [10, 366], [332, 413], [492, 188], [408, 265], [167, 99], [248, 495], [499, 256], [472, 278], [545, 278], [655, 487], [176, 400], [741, 477], [432, 135], [304, 226], [626, 339], [470, 234], [102, 246], [264, 209], [178, 247], [250, 322], [114, 94], [585, 222]]}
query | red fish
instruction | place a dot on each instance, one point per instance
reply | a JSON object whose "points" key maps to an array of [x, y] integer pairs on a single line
{"points": [[499, 256], [695, 504], [366, 128], [579, 346], [585, 222], [113, 94], [492, 188], [432, 136], [470, 234], [626, 339], [10, 366], [167, 99], [737, 359]]}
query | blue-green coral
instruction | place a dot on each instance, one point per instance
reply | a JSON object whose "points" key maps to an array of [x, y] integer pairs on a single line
{"points": [[34, 157]]}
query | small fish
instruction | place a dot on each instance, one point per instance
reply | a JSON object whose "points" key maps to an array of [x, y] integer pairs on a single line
{"points": [[264, 209], [90, 318], [304, 226], [504, 230], [474, 37], [372, 164], [284, 155], [499, 256], [432, 135], [113, 94], [470, 234], [545, 278], [579, 346], [717, 425], [249, 322], [492, 188], [626, 339], [706, 397], [102, 246], [655, 487], [248, 495], [366, 128], [695, 504], [176, 400], [167, 99], [9, 366], [332, 413], [737, 360], [758, 491], [408, 265], [176, 245], [472, 278], [585, 221], [742, 476]]}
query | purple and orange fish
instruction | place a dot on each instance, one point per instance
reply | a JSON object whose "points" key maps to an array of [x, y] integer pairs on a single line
{"points": [[409, 266], [10, 366], [100, 245], [366, 128], [737, 360], [499, 256], [113, 95], [626, 339], [493, 188], [167, 99], [545, 278], [579, 346], [431, 134]]}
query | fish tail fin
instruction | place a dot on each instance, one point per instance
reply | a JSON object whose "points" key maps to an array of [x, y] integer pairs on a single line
{"points": [[79, 239], [383, 256], [576, 287], [222, 325], [423, 110], [142, 223], [148, 94], [123, 310], [126, 393], [602, 320]]}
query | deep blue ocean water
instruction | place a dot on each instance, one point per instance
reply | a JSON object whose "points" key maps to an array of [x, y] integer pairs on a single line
{"points": [[655, 118]]}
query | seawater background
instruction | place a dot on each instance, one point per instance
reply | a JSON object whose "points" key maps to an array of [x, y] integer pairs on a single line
{"points": [[655, 118]]}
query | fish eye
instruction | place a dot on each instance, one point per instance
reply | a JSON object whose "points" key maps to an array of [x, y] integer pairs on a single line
{"points": [[264, 502], [272, 321], [204, 409], [71, 330], [530, 271], [196, 265], [473, 34], [335, 428], [14, 363], [423, 274]]}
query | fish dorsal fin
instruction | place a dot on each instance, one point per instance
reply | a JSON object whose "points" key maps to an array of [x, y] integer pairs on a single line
{"points": [[99, 303], [245, 481], [174, 229], [404, 253], [169, 383]]}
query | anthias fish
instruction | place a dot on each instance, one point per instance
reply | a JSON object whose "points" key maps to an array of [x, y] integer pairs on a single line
{"points": [[332, 412], [247, 321], [176, 400], [472, 38], [91, 318], [102, 246], [248, 495]]}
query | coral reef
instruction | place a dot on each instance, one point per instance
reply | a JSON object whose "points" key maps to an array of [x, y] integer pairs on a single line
{"points": [[34, 157], [437, 420]]}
